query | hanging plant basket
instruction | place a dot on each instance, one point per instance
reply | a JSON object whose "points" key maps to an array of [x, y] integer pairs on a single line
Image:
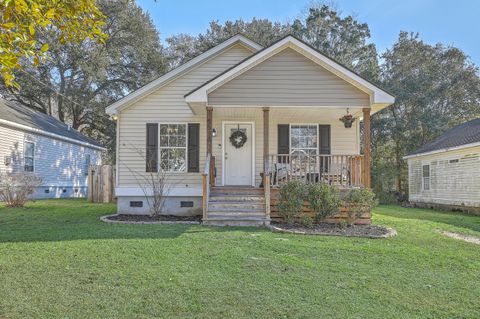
{"points": [[347, 120], [238, 139]]}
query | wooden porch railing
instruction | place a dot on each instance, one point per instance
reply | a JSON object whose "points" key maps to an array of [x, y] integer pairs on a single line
{"points": [[343, 171], [208, 181]]}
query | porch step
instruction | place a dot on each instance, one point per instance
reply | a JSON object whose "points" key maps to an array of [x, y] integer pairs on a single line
{"points": [[236, 206], [236, 221]]}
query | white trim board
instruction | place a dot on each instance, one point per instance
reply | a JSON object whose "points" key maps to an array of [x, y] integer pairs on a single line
{"points": [[173, 191], [169, 76], [378, 97], [52, 135], [455, 148]]}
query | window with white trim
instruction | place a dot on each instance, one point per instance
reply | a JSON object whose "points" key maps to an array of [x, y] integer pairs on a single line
{"points": [[87, 163], [304, 139], [173, 147], [29, 156], [426, 177]]}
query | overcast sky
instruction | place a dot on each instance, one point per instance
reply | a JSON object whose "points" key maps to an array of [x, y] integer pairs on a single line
{"points": [[454, 22]]}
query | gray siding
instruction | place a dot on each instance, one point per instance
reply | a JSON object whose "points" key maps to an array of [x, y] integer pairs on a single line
{"points": [[60, 164], [288, 79]]}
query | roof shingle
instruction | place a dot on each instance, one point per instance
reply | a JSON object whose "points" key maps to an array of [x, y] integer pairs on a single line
{"points": [[466, 133], [16, 113]]}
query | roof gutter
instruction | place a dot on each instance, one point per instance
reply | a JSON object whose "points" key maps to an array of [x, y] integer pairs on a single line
{"points": [[443, 150], [53, 135]]}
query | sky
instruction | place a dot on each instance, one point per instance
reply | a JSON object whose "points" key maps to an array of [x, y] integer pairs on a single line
{"points": [[451, 22]]}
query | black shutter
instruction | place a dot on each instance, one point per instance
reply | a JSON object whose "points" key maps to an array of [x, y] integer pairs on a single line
{"points": [[283, 141], [151, 159], [194, 147], [324, 146]]}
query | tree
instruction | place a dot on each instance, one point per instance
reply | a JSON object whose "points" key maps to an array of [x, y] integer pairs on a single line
{"points": [[184, 47], [436, 87], [23, 22], [344, 39], [89, 75]]}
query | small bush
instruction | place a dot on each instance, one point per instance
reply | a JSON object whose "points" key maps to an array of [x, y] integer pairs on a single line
{"points": [[306, 221], [358, 201], [15, 188], [324, 200], [292, 195]]}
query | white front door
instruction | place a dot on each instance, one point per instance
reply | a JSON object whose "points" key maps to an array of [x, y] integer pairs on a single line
{"points": [[238, 160]]}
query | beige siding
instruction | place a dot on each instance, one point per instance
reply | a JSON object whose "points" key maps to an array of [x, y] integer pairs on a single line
{"points": [[288, 79], [168, 105], [452, 183], [11, 144]]}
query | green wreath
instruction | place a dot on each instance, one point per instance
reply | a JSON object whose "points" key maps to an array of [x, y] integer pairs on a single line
{"points": [[238, 138]]}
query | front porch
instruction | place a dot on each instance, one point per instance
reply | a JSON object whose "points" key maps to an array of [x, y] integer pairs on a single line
{"points": [[256, 203]]}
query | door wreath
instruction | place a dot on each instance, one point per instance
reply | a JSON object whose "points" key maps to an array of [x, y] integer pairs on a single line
{"points": [[238, 138]]}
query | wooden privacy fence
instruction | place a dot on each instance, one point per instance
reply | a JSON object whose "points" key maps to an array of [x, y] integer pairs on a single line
{"points": [[101, 184]]}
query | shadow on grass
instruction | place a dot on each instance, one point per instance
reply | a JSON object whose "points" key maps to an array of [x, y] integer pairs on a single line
{"points": [[68, 220], [456, 219]]}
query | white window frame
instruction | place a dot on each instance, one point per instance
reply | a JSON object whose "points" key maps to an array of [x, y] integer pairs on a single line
{"points": [[87, 167], [25, 157], [304, 124], [160, 147], [426, 177]]}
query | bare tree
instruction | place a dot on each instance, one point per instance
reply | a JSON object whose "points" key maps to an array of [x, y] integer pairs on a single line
{"points": [[152, 181]]}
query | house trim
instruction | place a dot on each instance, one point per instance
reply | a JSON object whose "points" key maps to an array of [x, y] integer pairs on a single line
{"points": [[52, 135], [124, 191], [443, 150], [180, 70], [253, 148], [378, 97]]}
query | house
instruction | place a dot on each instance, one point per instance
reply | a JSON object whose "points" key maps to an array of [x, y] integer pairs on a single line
{"points": [[32, 141], [220, 120], [446, 172]]}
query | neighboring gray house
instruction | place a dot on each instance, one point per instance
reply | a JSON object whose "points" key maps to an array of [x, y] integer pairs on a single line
{"points": [[35, 142], [446, 172]]}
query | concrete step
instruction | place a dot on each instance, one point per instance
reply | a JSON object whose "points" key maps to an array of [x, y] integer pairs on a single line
{"points": [[223, 221], [236, 198], [233, 215], [236, 206]]}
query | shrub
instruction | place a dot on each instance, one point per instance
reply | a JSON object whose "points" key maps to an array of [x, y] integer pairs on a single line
{"points": [[15, 188], [306, 221], [324, 200], [292, 195], [358, 201]]}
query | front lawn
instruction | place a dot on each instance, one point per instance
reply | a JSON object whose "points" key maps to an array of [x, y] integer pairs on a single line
{"points": [[58, 260]]}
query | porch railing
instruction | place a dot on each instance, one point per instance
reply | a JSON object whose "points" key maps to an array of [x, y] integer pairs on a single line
{"points": [[343, 171]]}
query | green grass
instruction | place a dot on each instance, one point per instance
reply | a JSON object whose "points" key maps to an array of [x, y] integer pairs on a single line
{"points": [[58, 260]]}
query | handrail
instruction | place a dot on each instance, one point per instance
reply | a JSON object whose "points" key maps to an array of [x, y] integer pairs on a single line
{"points": [[206, 185], [342, 170]]}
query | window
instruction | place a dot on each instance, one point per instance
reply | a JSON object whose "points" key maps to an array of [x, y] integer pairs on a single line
{"points": [[426, 177], [29, 155], [304, 139], [173, 147], [87, 164]]}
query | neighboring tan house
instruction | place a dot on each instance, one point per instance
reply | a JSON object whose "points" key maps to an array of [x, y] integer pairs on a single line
{"points": [[31, 141], [217, 122], [446, 172]]}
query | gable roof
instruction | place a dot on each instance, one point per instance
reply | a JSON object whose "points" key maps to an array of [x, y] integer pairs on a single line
{"points": [[182, 69], [18, 116], [460, 136], [379, 97]]}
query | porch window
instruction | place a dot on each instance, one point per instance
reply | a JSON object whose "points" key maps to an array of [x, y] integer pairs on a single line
{"points": [[426, 177], [173, 147], [87, 164], [304, 139], [29, 155]]}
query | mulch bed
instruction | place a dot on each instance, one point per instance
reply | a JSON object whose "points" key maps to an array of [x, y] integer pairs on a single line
{"points": [[369, 231], [146, 219]]}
